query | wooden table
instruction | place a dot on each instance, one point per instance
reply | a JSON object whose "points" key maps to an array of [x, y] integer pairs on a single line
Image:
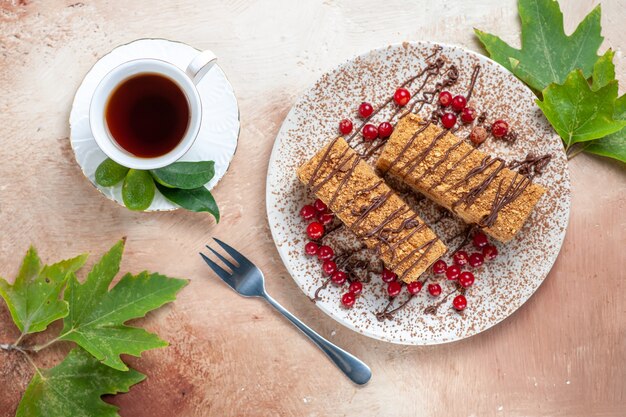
{"points": [[562, 354]]}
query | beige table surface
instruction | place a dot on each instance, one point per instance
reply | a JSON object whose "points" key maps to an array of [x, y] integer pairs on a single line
{"points": [[561, 354]]}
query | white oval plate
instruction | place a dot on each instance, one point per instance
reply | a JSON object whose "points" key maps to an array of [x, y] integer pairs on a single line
{"points": [[216, 141], [502, 285]]}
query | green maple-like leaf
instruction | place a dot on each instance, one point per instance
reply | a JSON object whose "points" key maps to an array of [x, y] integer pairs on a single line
{"points": [[96, 315], [33, 299], [74, 387], [603, 71], [612, 146], [577, 112], [547, 55], [620, 108]]}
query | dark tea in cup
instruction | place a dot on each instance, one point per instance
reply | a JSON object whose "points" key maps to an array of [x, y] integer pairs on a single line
{"points": [[147, 115]]}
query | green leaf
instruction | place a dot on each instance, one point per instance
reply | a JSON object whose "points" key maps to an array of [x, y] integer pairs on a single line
{"points": [[547, 54], [97, 316], [577, 112], [138, 190], [74, 387], [198, 200], [603, 71], [185, 175], [110, 173], [620, 108], [33, 299], [612, 146]]}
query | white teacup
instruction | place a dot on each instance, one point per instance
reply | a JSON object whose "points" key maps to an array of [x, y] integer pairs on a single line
{"points": [[185, 80]]}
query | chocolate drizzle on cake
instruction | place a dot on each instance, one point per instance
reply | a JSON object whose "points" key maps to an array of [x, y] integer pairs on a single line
{"points": [[387, 237]]}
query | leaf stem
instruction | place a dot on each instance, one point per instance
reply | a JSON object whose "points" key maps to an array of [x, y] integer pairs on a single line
{"points": [[29, 359], [19, 339], [47, 344], [9, 347], [576, 150]]}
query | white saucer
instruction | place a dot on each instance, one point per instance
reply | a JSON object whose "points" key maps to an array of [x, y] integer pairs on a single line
{"points": [[217, 140]]}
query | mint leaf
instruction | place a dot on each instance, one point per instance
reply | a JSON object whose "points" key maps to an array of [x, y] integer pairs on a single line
{"points": [[110, 173], [185, 175], [97, 316], [612, 146], [198, 200], [74, 387], [33, 299], [138, 190], [547, 54], [577, 112]]}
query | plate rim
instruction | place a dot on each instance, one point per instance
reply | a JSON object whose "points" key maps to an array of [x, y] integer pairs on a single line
{"points": [[270, 210]]}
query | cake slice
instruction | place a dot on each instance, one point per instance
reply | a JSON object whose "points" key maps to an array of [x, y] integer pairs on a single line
{"points": [[477, 187], [371, 210]]}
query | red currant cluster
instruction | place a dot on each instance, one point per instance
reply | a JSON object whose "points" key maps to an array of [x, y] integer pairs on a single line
{"points": [[394, 287], [370, 132], [458, 104], [322, 216], [461, 259]]}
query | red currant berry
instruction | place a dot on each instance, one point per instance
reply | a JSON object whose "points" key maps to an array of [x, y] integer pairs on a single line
{"points": [[338, 277], [476, 260], [394, 288], [345, 126], [329, 267], [439, 267], [348, 299], [325, 253], [459, 302], [369, 132], [434, 289], [320, 206], [461, 258], [478, 135], [490, 252], [468, 115], [365, 110], [466, 279], [499, 128], [385, 129], [401, 96], [448, 120], [308, 212], [388, 275], [414, 287], [459, 103], [480, 240], [325, 218], [315, 230], [445, 98], [311, 248], [453, 272], [356, 288]]}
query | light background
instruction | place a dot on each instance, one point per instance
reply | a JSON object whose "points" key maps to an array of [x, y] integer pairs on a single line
{"points": [[562, 354]]}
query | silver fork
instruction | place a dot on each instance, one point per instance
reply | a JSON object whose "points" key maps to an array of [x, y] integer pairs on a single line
{"points": [[248, 280]]}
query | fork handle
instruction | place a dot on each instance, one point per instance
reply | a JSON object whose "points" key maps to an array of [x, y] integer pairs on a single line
{"points": [[352, 366]]}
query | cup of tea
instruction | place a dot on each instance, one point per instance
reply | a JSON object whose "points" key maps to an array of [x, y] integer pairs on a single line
{"points": [[146, 113]]}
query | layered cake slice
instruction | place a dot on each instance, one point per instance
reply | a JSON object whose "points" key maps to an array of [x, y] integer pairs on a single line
{"points": [[371, 210], [477, 187]]}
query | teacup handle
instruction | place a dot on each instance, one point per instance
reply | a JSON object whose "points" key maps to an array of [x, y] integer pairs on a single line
{"points": [[200, 65]]}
